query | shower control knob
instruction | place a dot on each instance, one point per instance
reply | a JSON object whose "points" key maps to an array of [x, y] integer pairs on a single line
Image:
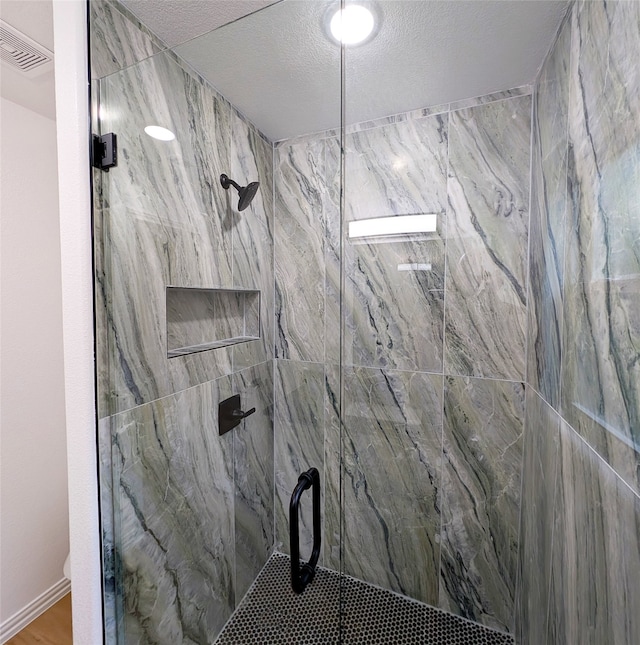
{"points": [[230, 414], [239, 414]]}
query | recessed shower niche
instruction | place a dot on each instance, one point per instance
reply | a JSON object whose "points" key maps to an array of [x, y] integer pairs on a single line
{"points": [[202, 319]]}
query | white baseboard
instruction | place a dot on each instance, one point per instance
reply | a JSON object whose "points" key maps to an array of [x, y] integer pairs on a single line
{"points": [[22, 618]]}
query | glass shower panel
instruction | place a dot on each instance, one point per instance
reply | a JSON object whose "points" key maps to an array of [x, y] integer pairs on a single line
{"points": [[395, 164], [191, 518], [436, 193], [369, 308], [193, 512]]}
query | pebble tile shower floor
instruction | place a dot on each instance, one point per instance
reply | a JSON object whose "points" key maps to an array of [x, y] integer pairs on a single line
{"points": [[272, 614]]}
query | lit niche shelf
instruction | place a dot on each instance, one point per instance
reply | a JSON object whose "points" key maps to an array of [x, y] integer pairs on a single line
{"points": [[202, 319]]}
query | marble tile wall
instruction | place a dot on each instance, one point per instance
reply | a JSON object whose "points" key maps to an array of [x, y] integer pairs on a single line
{"points": [[398, 382], [174, 528], [254, 475], [548, 218], [193, 511], [585, 264], [580, 583], [189, 515], [594, 595], [161, 228], [541, 439], [394, 319], [299, 430], [301, 190], [118, 38], [392, 479], [580, 551], [167, 221], [461, 324], [482, 441], [253, 235], [487, 238], [601, 349]]}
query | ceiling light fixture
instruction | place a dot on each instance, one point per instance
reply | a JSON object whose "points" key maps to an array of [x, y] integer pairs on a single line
{"points": [[352, 25], [158, 132]]}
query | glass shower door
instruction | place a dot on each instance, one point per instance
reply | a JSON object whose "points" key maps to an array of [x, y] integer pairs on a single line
{"points": [[395, 182], [435, 254], [197, 301]]}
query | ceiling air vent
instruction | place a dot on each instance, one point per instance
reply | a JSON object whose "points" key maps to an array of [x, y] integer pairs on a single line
{"points": [[23, 54]]}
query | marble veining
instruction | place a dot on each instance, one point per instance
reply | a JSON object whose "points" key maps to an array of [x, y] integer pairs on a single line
{"points": [[601, 347], [544, 332], [332, 251], [252, 231], [111, 580], [394, 319], [332, 499], [102, 294], [482, 441], [548, 220], [253, 475], [166, 223], [392, 456], [487, 232], [118, 39], [165, 220], [398, 169], [541, 441], [300, 189], [173, 488], [439, 109], [397, 118], [595, 568], [299, 443], [524, 90]]}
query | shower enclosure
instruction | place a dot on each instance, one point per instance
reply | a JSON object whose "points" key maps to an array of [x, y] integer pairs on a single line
{"points": [[383, 315]]}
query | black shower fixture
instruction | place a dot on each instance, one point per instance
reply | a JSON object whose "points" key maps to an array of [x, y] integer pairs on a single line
{"points": [[245, 193]]}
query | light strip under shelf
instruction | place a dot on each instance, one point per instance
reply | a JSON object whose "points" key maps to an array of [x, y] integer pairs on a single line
{"points": [[421, 266], [395, 225]]}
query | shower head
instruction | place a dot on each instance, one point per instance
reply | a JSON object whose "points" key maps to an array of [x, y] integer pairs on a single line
{"points": [[245, 193]]}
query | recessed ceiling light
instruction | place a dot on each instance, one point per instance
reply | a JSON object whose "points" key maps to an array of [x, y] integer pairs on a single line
{"points": [[158, 132], [352, 25]]}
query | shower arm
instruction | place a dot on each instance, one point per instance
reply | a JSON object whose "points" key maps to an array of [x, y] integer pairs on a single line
{"points": [[227, 181]]}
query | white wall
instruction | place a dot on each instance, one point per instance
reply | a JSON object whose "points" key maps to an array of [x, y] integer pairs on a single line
{"points": [[34, 534], [70, 37], [27, 345]]}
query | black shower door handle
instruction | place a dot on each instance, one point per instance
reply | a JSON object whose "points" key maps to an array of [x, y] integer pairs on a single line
{"points": [[301, 576]]}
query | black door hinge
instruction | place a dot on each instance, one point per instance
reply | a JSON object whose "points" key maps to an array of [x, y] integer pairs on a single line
{"points": [[105, 151]]}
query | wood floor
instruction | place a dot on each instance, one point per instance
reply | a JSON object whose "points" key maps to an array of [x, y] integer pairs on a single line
{"points": [[51, 628]]}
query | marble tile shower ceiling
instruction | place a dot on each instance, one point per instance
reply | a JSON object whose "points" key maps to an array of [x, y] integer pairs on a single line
{"points": [[463, 487]]}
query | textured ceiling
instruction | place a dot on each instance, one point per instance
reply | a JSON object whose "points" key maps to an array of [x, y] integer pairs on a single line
{"points": [[176, 21], [278, 67]]}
